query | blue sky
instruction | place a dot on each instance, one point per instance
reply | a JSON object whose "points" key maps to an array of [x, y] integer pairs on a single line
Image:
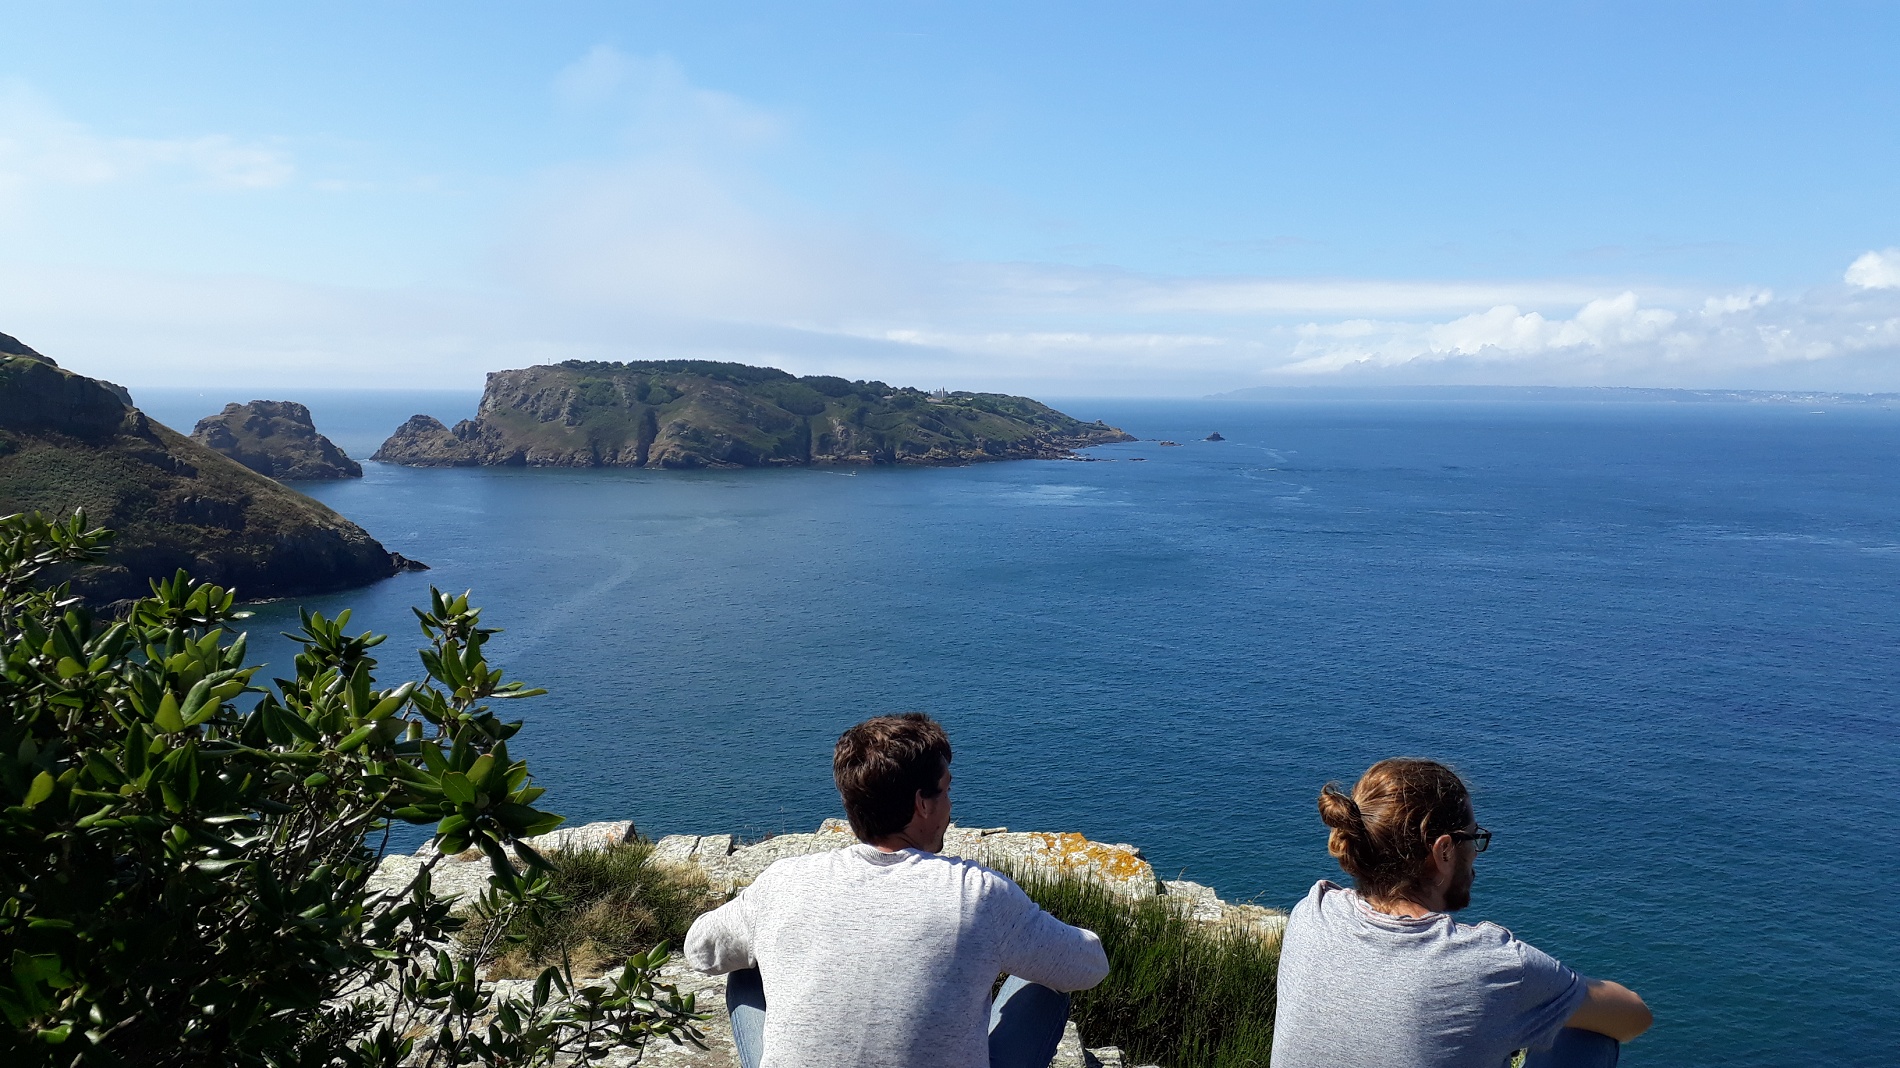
{"points": [[1076, 199]]}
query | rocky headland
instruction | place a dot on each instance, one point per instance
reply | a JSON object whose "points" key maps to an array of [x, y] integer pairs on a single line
{"points": [[703, 414], [276, 439], [727, 864], [68, 441]]}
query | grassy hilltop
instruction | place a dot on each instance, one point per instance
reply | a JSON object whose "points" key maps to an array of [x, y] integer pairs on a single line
{"points": [[68, 441], [699, 413]]}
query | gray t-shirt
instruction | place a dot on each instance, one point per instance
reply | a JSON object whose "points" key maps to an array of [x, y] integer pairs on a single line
{"points": [[887, 960], [1361, 989]]}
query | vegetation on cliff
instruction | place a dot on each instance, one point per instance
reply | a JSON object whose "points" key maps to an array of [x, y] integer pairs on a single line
{"points": [[615, 902], [276, 439], [68, 441], [185, 877], [697, 413]]}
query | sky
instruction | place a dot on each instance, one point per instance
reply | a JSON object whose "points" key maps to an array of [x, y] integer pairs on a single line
{"points": [[1089, 199]]}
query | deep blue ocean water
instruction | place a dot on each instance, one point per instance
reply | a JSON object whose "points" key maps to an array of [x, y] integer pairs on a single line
{"points": [[1658, 639]]}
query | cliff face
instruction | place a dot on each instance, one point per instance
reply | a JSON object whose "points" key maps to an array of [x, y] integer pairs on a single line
{"points": [[67, 441], [692, 413], [276, 439]]}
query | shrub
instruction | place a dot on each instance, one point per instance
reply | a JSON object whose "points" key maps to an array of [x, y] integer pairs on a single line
{"points": [[1179, 992], [184, 877]]}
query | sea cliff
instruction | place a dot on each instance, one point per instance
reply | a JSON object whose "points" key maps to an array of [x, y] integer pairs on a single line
{"points": [[68, 441], [695, 414]]}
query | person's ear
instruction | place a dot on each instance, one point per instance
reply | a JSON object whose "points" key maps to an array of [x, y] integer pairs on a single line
{"points": [[1444, 850]]}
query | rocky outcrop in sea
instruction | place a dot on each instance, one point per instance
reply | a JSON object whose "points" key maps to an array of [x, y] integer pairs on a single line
{"points": [[276, 439], [700, 414]]}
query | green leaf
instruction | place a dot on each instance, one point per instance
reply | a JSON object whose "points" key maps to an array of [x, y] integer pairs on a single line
{"points": [[356, 738], [198, 705], [41, 789], [167, 720], [457, 788]]}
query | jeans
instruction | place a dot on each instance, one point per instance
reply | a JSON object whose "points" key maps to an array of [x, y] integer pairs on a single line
{"points": [[1026, 1021], [1576, 1048]]}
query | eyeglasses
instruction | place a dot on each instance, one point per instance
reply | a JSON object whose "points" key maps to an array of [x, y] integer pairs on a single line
{"points": [[1481, 837]]}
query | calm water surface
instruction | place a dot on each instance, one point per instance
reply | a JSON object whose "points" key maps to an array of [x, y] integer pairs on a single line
{"points": [[1658, 639]]}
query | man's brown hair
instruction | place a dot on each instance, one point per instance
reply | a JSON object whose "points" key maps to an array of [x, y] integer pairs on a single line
{"points": [[882, 764], [1383, 831]]}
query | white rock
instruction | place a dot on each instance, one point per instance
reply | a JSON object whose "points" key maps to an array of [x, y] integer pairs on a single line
{"points": [[1069, 1052]]}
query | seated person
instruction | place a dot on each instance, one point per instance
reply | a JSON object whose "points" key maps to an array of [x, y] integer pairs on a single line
{"points": [[884, 954], [1381, 976]]}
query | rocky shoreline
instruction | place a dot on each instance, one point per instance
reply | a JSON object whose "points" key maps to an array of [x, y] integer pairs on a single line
{"points": [[728, 864]]}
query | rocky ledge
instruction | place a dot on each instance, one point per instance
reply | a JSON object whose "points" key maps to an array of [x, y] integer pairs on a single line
{"points": [[728, 864], [702, 414], [276, 439]]}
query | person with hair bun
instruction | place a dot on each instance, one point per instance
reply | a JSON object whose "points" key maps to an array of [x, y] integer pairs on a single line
{"points": [[1381, 976]]}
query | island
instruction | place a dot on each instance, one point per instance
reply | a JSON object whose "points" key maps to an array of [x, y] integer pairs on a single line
{"points": [[707, 414], [68, 441], [276, 439]]}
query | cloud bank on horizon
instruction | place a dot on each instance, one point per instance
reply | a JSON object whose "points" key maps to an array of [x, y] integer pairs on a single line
{"points": [[685, 238]]}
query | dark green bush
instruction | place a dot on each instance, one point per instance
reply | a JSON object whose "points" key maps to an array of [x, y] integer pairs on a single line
{"points": [[185, 877], [1179, 992]]}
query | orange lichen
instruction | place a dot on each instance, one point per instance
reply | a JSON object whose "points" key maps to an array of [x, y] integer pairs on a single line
{"points": [[1071, 851]]}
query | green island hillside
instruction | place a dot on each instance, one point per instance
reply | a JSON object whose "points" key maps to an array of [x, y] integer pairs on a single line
{"points": [[68, 442], [699, 413]]}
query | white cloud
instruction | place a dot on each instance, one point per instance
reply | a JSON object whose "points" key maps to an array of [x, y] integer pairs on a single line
{"points": [[1747, 338], [40, 147], [1875, 270]]}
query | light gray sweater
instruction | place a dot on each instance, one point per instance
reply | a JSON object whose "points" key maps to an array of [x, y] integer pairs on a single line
{"points": [[887, 960]]}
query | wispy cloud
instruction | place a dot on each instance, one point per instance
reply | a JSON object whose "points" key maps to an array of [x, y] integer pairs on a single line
{"points": [[41, 147]]}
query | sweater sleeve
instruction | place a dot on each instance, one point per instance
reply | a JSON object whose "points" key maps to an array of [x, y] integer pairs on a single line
{"points": [[1043, 949], [720, 941]]}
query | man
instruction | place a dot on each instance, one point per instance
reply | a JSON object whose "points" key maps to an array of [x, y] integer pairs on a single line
{"points": [[883, 954], [1381, 976]]}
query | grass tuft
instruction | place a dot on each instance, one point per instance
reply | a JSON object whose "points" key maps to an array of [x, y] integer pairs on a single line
{"points": [[1179, 992], [608, 905]]}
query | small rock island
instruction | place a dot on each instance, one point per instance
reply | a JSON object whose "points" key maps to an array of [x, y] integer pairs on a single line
{"points": [[276, 439], [707, 414], [68, 441]]}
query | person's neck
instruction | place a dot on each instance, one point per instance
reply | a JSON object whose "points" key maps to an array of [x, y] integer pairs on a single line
{"points": [[897, 843], [1411, 907]]}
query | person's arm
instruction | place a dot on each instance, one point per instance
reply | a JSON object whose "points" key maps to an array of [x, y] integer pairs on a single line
{"points": [[1043, 949], [721, 940], [1611, 1009]]}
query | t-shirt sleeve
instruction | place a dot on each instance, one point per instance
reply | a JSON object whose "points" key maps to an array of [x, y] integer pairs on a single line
{"points": [[1043, 949], [1547, 993], [720, 941]]}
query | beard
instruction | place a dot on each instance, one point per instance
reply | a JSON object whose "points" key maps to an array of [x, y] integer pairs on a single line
{"points": [[1458, 894]]}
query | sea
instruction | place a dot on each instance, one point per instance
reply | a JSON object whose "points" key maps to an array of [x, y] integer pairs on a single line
{"points": [[1659, 640]]}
